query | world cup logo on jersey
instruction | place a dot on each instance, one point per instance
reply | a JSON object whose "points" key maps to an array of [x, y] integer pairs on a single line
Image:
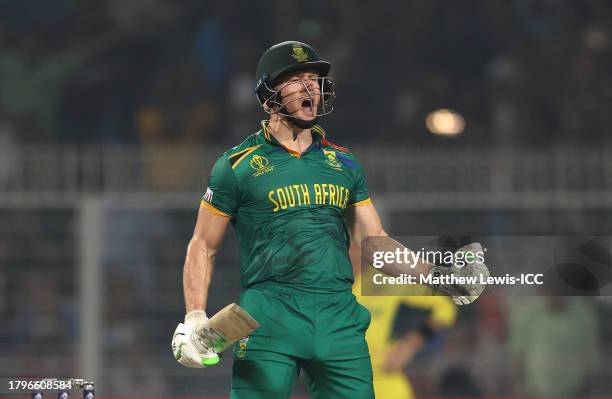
{"points": [[260, 164]]}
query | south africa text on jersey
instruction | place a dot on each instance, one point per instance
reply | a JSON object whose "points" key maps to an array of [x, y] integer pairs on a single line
{"points": [[307, 194]]}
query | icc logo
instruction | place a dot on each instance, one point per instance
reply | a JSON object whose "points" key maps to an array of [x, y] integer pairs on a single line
{"points": [[260, 164]]}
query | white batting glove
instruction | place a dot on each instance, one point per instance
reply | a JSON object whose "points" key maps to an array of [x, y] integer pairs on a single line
{"points": [[188, 346], [464, 294]]}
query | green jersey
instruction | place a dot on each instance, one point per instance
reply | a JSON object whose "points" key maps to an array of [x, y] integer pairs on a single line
{"points": [[288, 210]]}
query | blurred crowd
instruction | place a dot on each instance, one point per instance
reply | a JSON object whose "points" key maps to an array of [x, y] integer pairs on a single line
{"points": [[521, 72]]}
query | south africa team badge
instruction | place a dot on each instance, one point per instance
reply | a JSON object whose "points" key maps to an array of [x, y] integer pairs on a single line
{"points": [[241, 350], [299, 54], [331, 160]]}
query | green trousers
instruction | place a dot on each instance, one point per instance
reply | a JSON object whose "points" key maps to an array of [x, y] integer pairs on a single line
{"points": [[321, 334]]}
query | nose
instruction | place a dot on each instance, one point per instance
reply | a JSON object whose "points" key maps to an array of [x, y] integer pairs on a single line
{"points": [[310, 85]]}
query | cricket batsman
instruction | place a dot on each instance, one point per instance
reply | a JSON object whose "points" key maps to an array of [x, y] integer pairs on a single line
{"points": [[287, 190]]}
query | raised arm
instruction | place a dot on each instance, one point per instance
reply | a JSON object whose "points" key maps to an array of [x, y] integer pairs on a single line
{"points": [[461, 282], [363, 222]]}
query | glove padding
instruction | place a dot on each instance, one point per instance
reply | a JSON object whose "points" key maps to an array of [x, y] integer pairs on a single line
{"points": [[188, 347], [463, 294]]}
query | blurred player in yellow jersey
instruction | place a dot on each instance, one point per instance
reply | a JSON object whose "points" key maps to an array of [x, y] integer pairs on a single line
{"points": [[389, 356]]}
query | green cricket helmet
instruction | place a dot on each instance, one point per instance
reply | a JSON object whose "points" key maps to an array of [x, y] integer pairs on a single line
{"points": [[285, 58]]}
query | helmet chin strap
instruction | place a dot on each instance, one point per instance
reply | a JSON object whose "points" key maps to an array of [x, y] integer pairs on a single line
{"points": [[297, 122], [301, 123]]}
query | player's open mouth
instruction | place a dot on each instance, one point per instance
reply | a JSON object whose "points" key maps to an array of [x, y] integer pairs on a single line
{"points": [[307, 107]]}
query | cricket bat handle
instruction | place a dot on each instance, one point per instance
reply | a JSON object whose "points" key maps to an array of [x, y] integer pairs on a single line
{"points": [[226, 327]]}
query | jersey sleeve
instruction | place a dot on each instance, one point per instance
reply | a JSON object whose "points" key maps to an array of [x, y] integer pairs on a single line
{"points": [[222, 193], [359, 194]]}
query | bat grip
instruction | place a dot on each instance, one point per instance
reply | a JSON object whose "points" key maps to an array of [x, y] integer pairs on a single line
{"points": [[205, 339]]}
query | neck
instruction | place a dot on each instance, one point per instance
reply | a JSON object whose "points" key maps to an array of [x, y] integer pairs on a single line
{"points": [[288, 135]]}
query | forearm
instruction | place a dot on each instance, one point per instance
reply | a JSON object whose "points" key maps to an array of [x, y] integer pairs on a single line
{"points": [[197, 275], [368, 234], [394, 259], [406, 265]]}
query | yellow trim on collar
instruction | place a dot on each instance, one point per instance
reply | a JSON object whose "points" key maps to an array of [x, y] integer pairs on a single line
{"points": [[244, 155], [264, 128], [319, 130]]}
